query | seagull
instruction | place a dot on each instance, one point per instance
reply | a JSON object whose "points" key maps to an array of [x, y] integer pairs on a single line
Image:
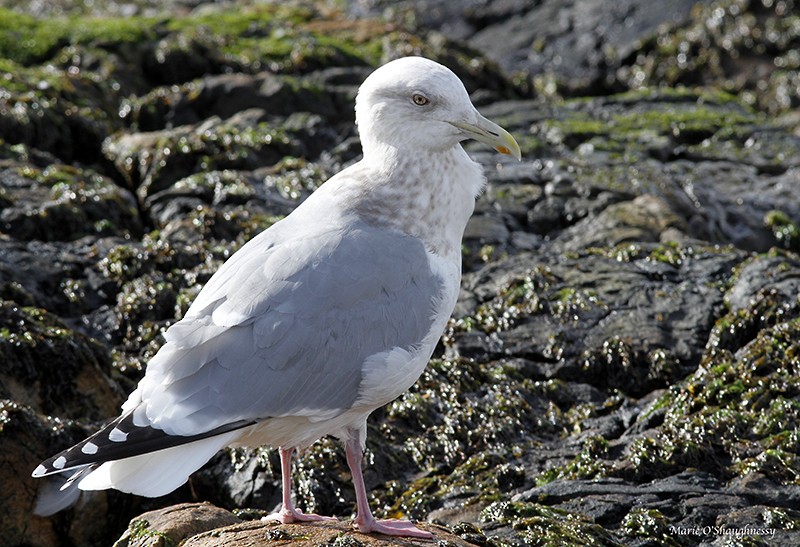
{"points": [[327, 315]]}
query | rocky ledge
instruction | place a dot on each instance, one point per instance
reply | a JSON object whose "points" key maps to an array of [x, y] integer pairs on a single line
{"points": [[204, 525], [624, 360]]}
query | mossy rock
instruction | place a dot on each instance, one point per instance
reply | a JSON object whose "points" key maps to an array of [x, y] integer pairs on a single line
{"points": [[224, 95], [710, 50], [63, 203], [152, 162], [737, 413], [649, 121], [52, 368], [546, 526], [66, 110]]}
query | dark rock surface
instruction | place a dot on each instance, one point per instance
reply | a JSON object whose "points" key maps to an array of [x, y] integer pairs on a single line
{"points": [[590, 47], [573, 40], [622, 367]]}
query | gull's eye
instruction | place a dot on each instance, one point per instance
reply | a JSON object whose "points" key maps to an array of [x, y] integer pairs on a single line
{"points": [[420, 99]]}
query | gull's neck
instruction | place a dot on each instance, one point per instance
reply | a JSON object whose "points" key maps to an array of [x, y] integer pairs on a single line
{"points": [[426, 194]]}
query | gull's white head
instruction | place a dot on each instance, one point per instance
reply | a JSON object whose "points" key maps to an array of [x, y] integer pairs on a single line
{"points": [[415, 103]]}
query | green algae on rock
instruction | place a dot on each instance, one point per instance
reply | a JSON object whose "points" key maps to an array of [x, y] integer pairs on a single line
{"points": [[151, 162], [46, 365], [614, 331], [547, 526], [62, 202], [726, 43], [786, 231]]}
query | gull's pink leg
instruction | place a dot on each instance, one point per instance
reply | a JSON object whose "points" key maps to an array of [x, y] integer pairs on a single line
{"points": [[288, 512], [365, 522]]}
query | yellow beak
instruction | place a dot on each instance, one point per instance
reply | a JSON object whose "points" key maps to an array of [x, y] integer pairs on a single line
{"points": [[488, 132]]}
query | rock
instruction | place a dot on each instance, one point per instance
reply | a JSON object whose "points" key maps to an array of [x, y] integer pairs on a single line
{"points": [[537, 312], [643, 219], [51, 368], [593, 48], [313, 534], [759, 522], [756, 486], [22, 436], [486, 230], [722, 42], [202, 524], [51, 113], [574, 41], [175, 524], [63, 203], [621, 363], [53, 275], [682, 484], [153, 161], [225, 95], [777, 274], [179, 57]]}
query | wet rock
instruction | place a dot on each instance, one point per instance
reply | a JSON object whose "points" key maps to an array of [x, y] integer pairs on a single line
{"points": [[764, 491], [254, 481], [721, 196], [733, 369], [486, 230], [643, 220], [224, 95], [622, 358], [575, 42], [180, 57], [21, 437], [50, 275], [175, 524], [48, 110], [776, 273], [62, 203], [48, 367], [151, 162], [549, 304], [572, 48], [762, 523], [742, 48], [686, 484], [533, 522]]}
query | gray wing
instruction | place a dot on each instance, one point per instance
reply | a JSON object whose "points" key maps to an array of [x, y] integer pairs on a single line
{"points": [[285, 327]]}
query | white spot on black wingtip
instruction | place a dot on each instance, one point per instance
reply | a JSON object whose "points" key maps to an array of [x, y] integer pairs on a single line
{"points": [[116, 435], [60, 462], [89, 448], [39, 471]]}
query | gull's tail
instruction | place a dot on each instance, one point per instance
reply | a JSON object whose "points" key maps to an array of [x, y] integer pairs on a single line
{"points": [[138, 460]]}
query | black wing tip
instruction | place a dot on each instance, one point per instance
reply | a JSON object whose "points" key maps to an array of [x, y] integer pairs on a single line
{"points": [[118, 440], [78, 456], [65, 461], [49, 467]]}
